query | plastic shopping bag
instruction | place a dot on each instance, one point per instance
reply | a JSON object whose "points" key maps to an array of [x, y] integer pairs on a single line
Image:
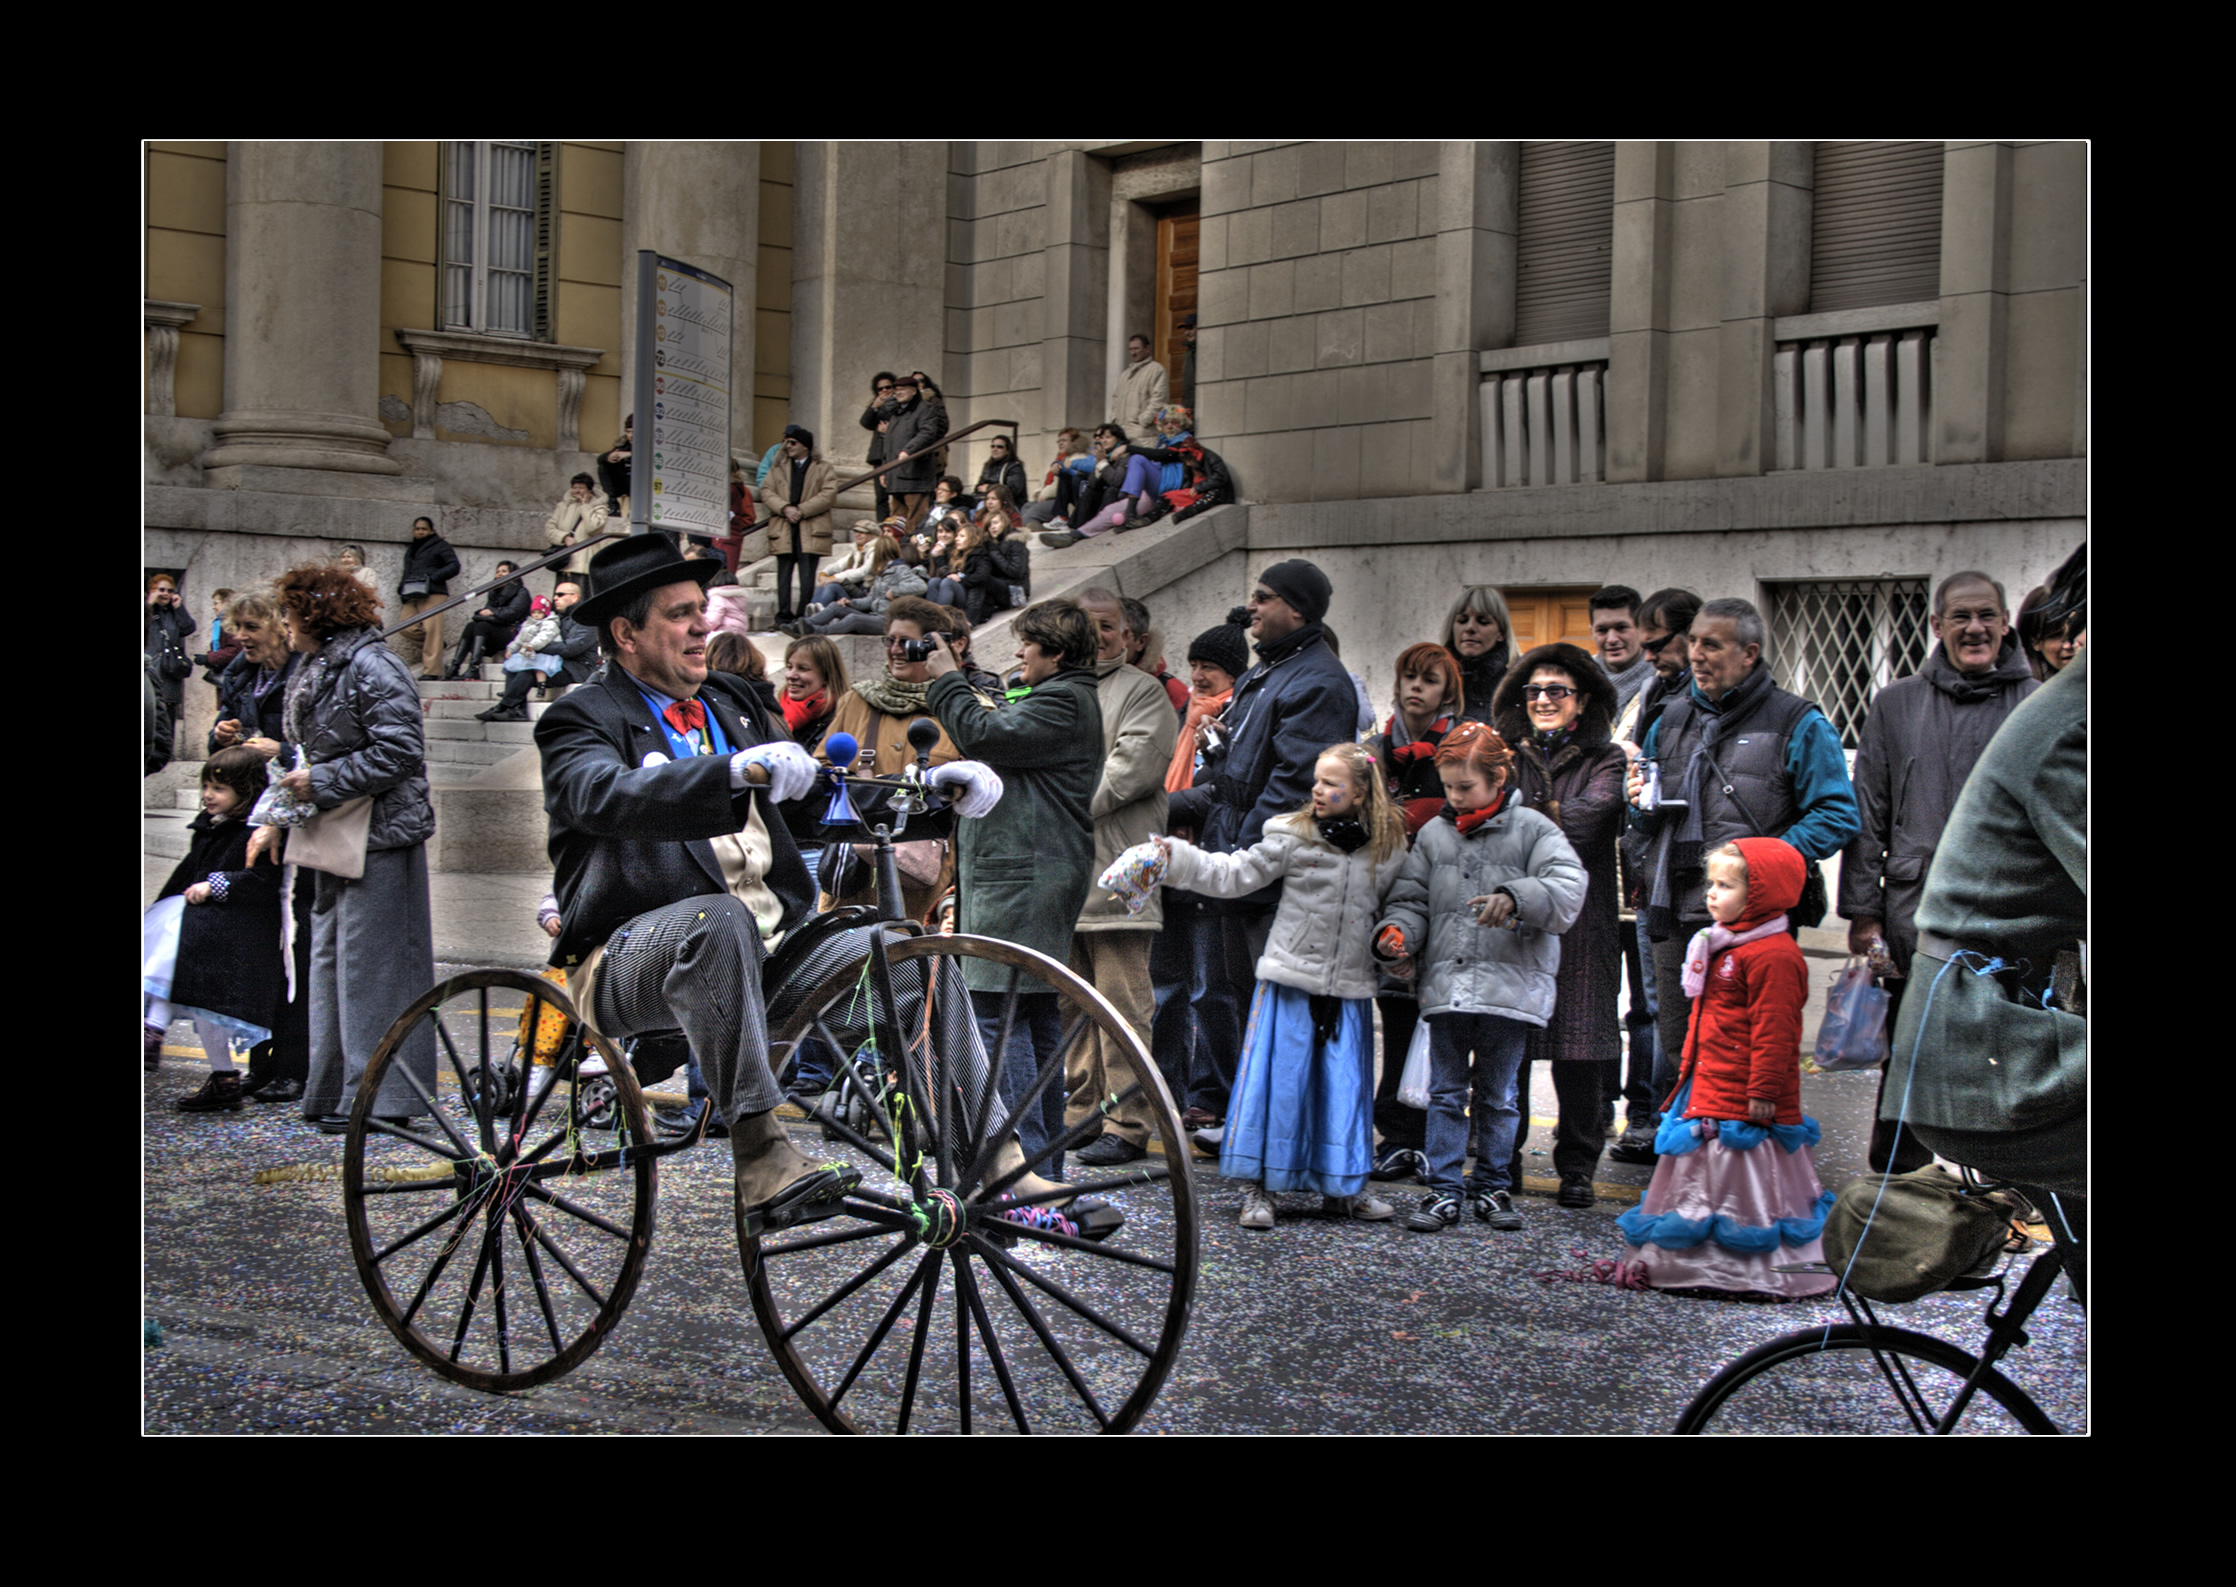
{"points": [[1413, 1080], [1854, 1032]]}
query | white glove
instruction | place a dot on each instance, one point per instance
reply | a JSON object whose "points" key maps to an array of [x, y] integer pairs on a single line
{"points": [[791, 769], [981, 787]]}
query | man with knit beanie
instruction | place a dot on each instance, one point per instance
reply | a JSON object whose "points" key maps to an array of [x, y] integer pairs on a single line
{"points": [[1288, 708]]}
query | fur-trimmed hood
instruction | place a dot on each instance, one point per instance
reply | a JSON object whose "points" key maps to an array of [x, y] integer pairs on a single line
{"points": [[1595, 721]]}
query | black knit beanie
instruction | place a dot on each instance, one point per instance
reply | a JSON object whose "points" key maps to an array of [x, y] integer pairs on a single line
{"points": [[1224, 647], [1302, 585]]}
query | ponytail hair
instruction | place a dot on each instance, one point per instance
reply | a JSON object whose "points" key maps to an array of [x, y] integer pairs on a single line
{"points": [[1385, 828], [1474, 745]]}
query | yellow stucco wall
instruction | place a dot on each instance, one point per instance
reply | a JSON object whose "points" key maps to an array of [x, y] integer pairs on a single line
{"points": [[408, 271], [772, 308], [186, 263], [589, 305]]}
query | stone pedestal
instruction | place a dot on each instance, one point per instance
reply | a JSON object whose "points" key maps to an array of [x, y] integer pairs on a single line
{"points": [[302, 285]]}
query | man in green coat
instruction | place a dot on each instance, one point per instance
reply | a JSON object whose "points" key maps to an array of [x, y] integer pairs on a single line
{"points": [[1024, 869]]}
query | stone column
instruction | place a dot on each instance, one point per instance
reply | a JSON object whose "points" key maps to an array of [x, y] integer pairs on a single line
{"points": [[1638, 315], [869, 280], [701, 203], [302, 294], [1076, 288], [1969, 360], [1769, 190], [1477, 191]]}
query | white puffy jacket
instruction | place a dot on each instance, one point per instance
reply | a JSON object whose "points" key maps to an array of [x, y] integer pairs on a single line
{"points": [[1322, 940]]}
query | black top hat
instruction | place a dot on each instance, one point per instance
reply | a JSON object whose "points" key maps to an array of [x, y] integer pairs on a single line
{"points": [[629, 567]]}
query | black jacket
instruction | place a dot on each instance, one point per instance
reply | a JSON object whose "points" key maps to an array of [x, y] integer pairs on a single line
{"points": [[990, 574], [872, 416], [431, 559], [917, 430], [508, 606], [627, 837], [229, 948], [168, 631], [237, 702], [577, 647], [1010, 476]]}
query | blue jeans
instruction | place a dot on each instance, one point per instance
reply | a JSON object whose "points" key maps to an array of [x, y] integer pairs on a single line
{"points": [[1175, 982], [1227, 952], [1033, 1040], [1497, 1044]]}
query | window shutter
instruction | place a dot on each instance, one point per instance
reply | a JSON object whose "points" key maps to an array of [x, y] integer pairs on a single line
{"points": [[1876, 233], [1564, 254], [547, 242]]}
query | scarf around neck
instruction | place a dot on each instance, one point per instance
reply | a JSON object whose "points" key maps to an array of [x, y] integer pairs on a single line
{"points": [[799, 713], [1201, 708], [1707, 944], [888, 696], [1468, 820], [1347, 833], [1678, 851]]}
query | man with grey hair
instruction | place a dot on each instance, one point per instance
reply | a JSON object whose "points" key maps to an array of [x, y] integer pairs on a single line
{"points": [[1739, 758], [1923, 737]]}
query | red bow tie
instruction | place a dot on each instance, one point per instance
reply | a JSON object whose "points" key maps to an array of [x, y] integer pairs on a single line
{"points": [[686, 715]]}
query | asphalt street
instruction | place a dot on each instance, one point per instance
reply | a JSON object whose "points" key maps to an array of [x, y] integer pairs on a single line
{"points": [[1319, 1326]]}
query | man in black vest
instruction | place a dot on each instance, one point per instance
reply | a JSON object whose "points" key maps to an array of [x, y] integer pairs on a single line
{"points": [[1921, 741], [672, 861], [1739, 758]]}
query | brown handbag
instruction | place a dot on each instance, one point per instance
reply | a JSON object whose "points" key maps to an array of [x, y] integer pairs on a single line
{"points": [[333, 841]]}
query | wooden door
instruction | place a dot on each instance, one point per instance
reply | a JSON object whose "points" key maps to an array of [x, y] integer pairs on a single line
{"points": [[1177, 229], [1550, 616]]}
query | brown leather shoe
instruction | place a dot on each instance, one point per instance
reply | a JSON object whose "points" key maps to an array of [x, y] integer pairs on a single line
{"points": [[221, 1093]]}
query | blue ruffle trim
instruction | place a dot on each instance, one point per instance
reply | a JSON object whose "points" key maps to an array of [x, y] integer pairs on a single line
{"points": [[1674, 1232], [1679, 1135]]}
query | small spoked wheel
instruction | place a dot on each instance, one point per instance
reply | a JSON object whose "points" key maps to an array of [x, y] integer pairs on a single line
{"points": [[1852, 1379], [499, 1238], [946, 1296]]}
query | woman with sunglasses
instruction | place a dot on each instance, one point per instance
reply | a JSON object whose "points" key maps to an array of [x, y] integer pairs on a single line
{"points": [[1557, 710]]}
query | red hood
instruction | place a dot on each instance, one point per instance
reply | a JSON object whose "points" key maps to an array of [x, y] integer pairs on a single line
{"points": [[1775, 874]]}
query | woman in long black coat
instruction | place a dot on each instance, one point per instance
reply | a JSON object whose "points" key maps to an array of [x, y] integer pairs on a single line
{"points": [[1567, 764]]}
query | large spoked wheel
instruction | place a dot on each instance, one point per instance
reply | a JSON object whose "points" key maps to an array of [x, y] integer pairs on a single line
{"points": [[498, 1232], [1853, 1379], [941, 1299]]}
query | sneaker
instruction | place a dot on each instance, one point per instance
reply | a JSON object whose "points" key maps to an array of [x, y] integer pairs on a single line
{"points": [[1494, 1207], [1364, 1207], [1576, 1193], [1257, 1208], [1437, 1212], [1058, 539], [1399, 1162]]}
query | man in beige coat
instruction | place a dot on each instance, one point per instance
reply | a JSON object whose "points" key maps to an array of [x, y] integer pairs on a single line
{"points": [[1142, 390], [799, 494], [1110, 948]]}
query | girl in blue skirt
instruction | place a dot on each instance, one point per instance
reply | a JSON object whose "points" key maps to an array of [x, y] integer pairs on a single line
{"points": [[1301, 1114]]}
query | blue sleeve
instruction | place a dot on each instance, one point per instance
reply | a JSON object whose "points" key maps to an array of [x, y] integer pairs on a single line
{"points": [[1821, 790]]}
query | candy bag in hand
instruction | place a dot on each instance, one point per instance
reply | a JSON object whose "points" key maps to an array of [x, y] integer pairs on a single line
{"points": [[1135, 875]]}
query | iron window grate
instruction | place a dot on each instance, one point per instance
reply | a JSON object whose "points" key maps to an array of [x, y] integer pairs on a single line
{"points": [[1839, 642]]}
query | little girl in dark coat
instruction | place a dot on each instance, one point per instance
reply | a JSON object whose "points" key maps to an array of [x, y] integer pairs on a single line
{"points": [[211, 946]]}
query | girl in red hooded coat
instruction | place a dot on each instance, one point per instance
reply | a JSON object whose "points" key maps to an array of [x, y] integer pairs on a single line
{"points": [[1736, 1196]]}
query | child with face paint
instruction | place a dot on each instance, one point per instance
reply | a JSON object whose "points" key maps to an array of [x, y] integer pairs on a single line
{"points": [[1300, 1115]]}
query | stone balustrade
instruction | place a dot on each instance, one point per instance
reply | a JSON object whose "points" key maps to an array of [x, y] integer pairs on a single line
{"points": [[428, 349], [1544, 414], [1854, 389], [162, 320]]}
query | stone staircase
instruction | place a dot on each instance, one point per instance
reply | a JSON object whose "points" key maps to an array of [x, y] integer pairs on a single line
{"points": [[459, 748]]}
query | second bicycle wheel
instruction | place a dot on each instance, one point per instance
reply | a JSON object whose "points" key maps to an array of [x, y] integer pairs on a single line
{"points": [[940, 1300], [1852, 1379]]}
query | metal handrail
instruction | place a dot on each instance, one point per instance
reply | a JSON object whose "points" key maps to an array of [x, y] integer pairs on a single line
{"points": [[520, 572], [949, 439]]}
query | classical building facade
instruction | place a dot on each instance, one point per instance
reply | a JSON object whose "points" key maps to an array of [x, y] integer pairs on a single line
{"points": [[1818, 375]]}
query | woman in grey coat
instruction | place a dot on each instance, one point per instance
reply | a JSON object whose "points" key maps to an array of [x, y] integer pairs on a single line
{"points": [[354, 729]]}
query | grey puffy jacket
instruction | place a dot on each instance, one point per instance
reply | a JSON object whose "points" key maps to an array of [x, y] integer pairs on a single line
{"points": [[1322, 936], [1472, 969], [367, 735]]}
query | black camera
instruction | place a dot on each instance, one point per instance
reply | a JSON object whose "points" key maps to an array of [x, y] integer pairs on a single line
{"points": [[917, 649]]}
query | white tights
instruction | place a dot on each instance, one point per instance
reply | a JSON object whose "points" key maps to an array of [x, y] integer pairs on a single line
{"points": [[215, 1042]]}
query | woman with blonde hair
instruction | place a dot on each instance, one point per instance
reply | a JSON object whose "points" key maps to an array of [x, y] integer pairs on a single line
{"points": [[1479, 631]]}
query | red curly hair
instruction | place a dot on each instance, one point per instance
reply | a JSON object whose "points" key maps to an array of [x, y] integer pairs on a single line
{"points": [[1475, 745], [325, 598]]}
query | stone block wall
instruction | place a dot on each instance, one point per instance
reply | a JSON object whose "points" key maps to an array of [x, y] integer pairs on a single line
{"points": [[1318, 316], [997, 230]]}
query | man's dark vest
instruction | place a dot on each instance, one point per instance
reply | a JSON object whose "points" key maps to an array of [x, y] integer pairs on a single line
{"points": [[1746, 793]]}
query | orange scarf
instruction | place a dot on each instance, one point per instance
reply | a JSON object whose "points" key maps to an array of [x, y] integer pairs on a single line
{"points": [[1201, 708]]}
